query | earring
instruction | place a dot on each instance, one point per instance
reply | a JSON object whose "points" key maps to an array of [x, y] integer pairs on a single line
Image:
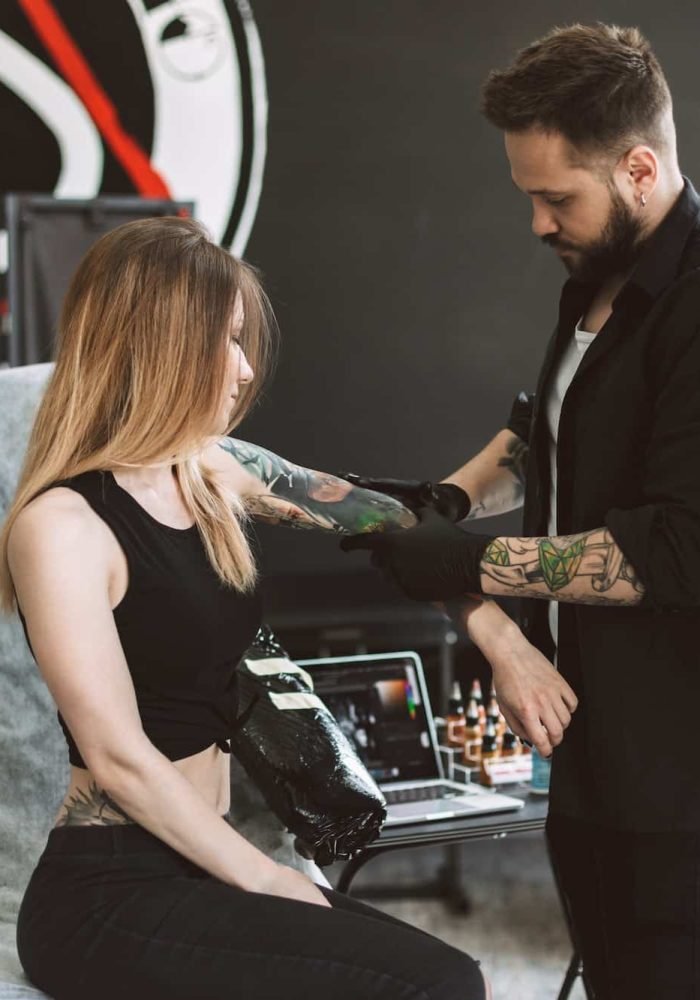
{"points": [[643, 199]]}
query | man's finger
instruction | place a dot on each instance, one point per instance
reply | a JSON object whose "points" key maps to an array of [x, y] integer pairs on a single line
{"points": [[514, 724], [561, 711], [518, 726], [352, 477], [542, 743], [569, 699], [405, 488], [550, 721], [536, 733]]}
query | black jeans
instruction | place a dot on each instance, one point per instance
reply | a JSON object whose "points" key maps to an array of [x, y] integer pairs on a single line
{"points": [[633, 900], [114, 912]]}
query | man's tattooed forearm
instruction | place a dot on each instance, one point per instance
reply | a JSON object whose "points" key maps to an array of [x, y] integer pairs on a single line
{"points": [[94, 807], [304, 498], [590, 564], [478, 510], [516, 462]]}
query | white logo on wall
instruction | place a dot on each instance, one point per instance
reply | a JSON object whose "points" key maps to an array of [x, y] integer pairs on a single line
{"points": [[209, 110]]}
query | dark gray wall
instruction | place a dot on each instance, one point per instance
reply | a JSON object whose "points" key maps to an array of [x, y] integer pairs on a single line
{"points": [[413, 300]]}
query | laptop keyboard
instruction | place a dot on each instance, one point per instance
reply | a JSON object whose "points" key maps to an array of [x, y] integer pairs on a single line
{"points": [[419, 794]]}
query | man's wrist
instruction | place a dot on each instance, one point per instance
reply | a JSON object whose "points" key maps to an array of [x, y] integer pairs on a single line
{"points": [[487, 625]]}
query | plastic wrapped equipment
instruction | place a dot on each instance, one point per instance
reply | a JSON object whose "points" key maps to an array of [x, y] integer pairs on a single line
{"points": [[293, 750]]}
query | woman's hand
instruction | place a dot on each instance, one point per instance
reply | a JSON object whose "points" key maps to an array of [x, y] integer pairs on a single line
{"points": [[535, 699], [292, 884]]}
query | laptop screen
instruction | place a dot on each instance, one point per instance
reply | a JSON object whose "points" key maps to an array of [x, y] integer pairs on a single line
{"points": [[380, 706]]}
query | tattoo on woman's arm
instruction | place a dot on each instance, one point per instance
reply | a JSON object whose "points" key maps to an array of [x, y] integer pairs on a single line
{"points": [[304, 498]]}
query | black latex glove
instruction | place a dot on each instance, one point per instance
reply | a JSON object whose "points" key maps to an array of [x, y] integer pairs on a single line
{"points": [[520, 418], [449, 500], [433, 561]]}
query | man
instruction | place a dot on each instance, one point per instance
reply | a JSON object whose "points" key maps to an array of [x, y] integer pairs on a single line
{"points": [[609, 563]]}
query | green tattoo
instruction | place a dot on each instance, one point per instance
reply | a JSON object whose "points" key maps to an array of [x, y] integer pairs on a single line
{"points": [[559, 566], [304, 498], [589, 564], [496, 553]]}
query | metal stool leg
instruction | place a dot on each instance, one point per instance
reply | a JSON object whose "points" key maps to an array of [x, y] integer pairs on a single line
{"points": [[574, 970]]}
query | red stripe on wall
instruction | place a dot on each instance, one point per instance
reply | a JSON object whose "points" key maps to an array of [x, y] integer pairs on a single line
{"points": [[65, 53]]}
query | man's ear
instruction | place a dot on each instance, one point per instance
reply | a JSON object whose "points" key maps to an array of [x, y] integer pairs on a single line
{"points": [[640, 167]]}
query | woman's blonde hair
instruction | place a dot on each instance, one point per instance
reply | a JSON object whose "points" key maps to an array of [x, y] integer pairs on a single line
{"points": [[140, 371]]}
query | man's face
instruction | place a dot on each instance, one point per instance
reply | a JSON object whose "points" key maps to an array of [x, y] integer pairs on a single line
{"points": [[587, 220]]}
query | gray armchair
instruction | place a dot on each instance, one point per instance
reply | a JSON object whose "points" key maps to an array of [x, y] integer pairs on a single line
{"points": [[33, 754]]}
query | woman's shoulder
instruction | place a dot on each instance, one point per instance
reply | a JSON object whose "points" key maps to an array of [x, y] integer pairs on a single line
{"points": [[56, 502], [58, 517], [222, 456]]}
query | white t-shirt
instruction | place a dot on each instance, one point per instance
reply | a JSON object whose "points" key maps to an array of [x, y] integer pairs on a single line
{"points": [[570, 361]]}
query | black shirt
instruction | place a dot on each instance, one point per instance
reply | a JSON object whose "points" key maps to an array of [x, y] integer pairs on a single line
{"points": [[182, 630], [628, 457]]}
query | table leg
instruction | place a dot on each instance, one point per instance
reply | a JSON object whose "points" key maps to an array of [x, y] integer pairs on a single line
{"points": [[447, 884], [352, 868], [450, 884]]}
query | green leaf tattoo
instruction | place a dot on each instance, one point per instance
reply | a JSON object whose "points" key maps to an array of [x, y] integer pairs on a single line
{"points": [[496, 553], [587, 568], [559, 566]]}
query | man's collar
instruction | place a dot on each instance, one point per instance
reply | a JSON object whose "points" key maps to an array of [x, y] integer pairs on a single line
{"points": [[659, 261]]}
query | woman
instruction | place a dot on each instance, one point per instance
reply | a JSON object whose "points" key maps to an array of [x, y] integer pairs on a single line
{"points": [[126, 552]]}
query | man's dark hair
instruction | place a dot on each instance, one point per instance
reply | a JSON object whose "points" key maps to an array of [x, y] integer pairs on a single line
{"points": [[600, 86]]}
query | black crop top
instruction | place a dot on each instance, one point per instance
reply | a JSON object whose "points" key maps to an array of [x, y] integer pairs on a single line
{"points": [[182, 631]]}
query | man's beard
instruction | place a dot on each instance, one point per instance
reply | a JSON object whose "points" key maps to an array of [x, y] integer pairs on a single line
{"points": [[613, 252]]}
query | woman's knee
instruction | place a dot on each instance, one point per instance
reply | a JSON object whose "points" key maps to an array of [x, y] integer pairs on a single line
{"points": [[462, 979]]}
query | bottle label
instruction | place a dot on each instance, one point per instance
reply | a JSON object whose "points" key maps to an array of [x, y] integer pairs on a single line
{"points": [[455, 732]]}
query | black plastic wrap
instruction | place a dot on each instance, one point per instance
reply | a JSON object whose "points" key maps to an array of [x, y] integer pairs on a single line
{"points": [[305, 767]]}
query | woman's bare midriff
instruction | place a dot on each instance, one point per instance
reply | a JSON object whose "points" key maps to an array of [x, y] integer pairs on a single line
{"points": [[87, 804]]}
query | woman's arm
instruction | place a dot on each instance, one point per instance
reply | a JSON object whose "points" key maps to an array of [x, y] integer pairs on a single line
{"points": [[61, 570], [280, 492]]}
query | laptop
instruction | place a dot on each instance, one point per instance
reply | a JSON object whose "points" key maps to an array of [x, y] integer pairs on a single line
{"points": [[380, 701]]}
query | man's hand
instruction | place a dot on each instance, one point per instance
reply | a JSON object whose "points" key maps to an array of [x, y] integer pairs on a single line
{"points": [[447, 499], [535, 699], [433, 561]]}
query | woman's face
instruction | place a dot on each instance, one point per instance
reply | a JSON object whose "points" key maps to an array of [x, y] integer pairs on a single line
{"points": [[238, 371]]}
